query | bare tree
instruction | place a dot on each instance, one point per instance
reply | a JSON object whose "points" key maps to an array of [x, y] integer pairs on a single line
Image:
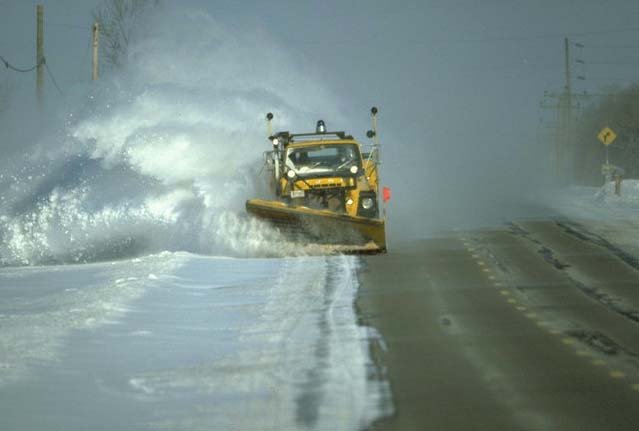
{"points": [[118, 20]]}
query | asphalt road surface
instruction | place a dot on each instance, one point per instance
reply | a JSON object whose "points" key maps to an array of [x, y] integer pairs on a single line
{"points": [[533, 326]]}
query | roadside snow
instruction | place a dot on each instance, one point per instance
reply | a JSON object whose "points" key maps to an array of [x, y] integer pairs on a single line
{"points": [[40, 306], [604, 213]]}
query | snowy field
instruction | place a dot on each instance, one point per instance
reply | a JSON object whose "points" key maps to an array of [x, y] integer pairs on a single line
{"points": [[178, 341]]}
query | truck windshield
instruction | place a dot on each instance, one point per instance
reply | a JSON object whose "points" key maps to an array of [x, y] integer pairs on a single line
{"points": [[322, 159]]}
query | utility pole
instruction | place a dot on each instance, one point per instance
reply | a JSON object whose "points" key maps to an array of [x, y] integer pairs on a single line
{"points": [[565, 147], [94, 63], [567, 105], [40, 54], [567, 64]]}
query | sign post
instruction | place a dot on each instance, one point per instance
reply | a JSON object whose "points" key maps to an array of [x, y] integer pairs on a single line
{"points": [[607, 136]]}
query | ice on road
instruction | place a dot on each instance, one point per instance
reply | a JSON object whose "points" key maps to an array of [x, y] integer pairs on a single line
{"points": [[178, 341]]}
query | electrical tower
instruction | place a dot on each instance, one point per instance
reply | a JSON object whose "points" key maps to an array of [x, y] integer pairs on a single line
{"points": [[565, 104]]}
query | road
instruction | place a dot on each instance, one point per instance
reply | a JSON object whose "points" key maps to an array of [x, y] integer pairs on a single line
{"points": [[532, 326]]}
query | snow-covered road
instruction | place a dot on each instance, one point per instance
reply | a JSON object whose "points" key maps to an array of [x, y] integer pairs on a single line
{"points": [[178, 341]]}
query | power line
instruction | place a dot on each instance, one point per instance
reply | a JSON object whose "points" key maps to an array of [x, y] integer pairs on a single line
{"points": [[489, 39], [18, 69], [53, 79], [43, 62], [609, 31], [596, 78], [613, 46], [618, 63], [55, 24], [538, 37]]}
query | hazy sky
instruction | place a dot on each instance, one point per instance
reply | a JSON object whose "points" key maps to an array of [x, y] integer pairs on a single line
{"points": [[458, 82]]}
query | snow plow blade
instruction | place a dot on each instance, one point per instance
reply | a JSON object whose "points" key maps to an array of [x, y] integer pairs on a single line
{"points": [[335, 232]]}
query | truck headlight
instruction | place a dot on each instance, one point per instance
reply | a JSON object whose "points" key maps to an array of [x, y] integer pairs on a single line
{"points": [[367, 203], [367, 206], [354, 169], [290, 173]]}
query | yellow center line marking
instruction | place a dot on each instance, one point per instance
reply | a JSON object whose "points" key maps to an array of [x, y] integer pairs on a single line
{"points": [[491, 277], [615, 374], [531, 315], [520, 308], [555, 331], [568, 341], [512, 301], [504, 292], [481, 263], [635, 387], [499, 284], [598, 362], [475, 256], [583, 353], [485, 269]]}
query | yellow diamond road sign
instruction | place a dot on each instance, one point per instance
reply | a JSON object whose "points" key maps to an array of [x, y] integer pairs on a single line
{"points": [[607, 136]]}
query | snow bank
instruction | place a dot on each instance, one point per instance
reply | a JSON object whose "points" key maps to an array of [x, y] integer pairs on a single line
{"points": [[602, 212]]}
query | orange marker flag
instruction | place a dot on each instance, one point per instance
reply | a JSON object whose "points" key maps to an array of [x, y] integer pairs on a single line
{"points": [[386, 193]]}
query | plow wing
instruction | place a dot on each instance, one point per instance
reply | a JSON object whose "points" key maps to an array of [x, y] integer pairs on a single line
{"points": [[338, 232]]}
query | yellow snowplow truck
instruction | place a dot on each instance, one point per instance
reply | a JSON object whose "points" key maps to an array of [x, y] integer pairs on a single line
{"points": [[326, 188]]}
